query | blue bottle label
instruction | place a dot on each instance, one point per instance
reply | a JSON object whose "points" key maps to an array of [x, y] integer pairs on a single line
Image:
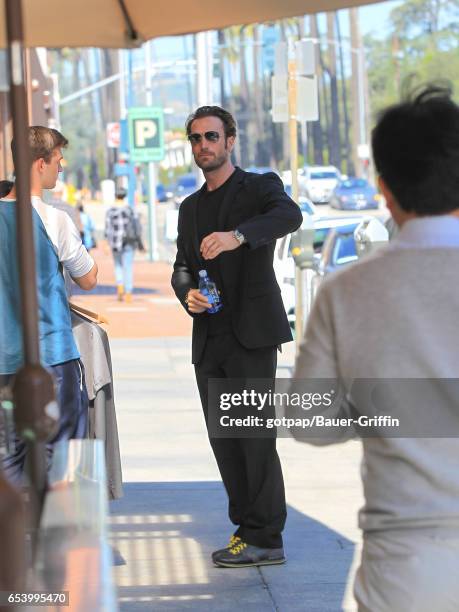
{"points": [[209, 289]]}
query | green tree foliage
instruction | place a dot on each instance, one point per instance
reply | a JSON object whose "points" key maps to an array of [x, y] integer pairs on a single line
{"points": [[422, 46]]}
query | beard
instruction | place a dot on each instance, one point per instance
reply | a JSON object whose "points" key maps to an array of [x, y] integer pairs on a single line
{"points": [[212, 162]]}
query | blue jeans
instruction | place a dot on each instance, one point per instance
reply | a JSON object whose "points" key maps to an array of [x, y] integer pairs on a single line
{"points": [[123, 267], [73, 402]]}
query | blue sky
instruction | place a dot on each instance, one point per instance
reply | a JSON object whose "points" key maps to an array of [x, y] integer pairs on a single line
{"points": [[374, 17]]}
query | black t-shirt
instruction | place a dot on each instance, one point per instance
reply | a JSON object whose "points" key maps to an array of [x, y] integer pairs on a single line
{"points": [[209, 205]]}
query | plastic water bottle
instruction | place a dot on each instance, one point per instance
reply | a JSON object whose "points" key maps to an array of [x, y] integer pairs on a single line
{"points": [[208, 288]]}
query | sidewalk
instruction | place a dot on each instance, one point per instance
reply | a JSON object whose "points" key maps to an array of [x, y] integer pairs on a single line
{"points": [[174, 511], [154, 311]]}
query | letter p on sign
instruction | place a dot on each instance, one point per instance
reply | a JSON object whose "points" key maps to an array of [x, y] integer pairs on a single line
{"points": [[145, 132]]}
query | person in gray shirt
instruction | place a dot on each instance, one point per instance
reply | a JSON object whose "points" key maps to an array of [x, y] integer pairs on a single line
{"points": [[391, 320]]}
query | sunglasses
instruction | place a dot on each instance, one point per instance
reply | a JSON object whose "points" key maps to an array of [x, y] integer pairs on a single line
{"points": [[210, 136]]}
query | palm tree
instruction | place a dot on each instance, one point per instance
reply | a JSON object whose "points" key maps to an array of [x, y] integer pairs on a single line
{"points": [[317, 132], [262, 150], [356, 86], [229, 58], [347, 144], [244, 98], [334, 138]]}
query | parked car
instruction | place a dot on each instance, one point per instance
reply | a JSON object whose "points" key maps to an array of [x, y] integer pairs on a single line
{"points": [[355, 194], [305, 204], [261, 169], [284, 265], [339, 249], [318, 182], [162, 194], [185, 186]]}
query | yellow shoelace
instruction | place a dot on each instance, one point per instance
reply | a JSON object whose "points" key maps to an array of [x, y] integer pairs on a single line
{"points": [[233, 541], [238, 548]]}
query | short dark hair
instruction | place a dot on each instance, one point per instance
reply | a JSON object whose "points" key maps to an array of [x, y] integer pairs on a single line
{"points": [[226, 118], [120, 193], [416, 150], [5, 188], [42, 142]]}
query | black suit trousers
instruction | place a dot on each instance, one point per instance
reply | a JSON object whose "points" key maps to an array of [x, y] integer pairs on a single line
{"points": [[249, 467]]}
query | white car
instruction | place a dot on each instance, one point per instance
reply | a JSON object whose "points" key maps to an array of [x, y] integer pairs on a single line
{"points": [[318, 182], [284, 264]]}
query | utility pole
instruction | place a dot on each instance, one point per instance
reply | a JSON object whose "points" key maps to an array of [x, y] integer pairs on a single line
{"points": [[204, 77], [357, 90], [334, 133], [295, 99], [130, 103], [152, 169], [293, 141]]}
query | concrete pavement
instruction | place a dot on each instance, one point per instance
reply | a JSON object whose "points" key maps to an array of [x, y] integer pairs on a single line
{"points": [[154, 310], [174, 510]]}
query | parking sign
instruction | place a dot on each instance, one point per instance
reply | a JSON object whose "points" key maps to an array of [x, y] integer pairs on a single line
{"points": [[146, 134]]}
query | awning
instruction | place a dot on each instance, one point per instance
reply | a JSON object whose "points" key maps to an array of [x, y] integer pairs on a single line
{"points": [[124, 23]]}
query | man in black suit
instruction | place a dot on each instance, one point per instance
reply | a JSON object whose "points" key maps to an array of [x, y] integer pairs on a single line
{"points": [[229, 227]]}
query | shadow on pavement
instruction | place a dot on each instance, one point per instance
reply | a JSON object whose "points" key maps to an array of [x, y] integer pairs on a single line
{"points": [[166, 532]]}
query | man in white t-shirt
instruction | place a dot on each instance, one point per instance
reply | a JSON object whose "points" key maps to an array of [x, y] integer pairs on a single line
{"points": [[58, 246]]}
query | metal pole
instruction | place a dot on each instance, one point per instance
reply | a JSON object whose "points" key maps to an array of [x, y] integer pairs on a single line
{"points": [[130, 104], [26, 254], [362, 122], [292, 125], [33, 389], [203, 81], [122, 85], [362, 131], [152, 224]]}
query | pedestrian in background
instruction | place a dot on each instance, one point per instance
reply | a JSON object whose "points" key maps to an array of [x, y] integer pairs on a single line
{"points": [[124, 236], [392, 316], [88, 229]]}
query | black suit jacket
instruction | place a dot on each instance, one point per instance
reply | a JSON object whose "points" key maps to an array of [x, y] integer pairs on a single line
{"points": [[257, 205]]}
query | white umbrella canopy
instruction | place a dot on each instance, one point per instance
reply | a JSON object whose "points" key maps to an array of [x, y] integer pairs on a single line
{"points": [[124, 23]]}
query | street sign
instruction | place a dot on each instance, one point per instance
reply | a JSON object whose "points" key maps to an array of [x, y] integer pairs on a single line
{"points": [[281, 59], [121, 170], [113, 135], [305, 57], [307, 100], [279, 98], [146, 134], [270, 36]]}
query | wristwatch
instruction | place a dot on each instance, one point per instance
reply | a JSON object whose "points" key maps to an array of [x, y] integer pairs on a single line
{"points": [[239, 236]]}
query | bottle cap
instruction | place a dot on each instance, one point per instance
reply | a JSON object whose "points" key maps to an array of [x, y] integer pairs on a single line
{"points": [[202, 273]]}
